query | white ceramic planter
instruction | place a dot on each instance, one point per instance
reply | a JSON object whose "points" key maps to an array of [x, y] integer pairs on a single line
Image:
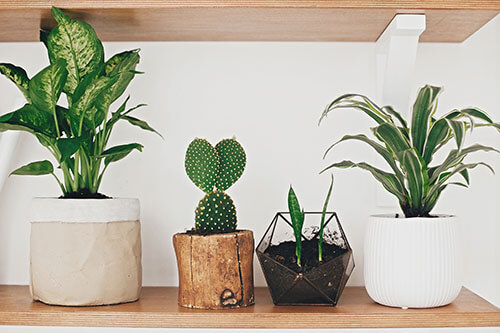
{"points": [[85, 251], [412, 262]]}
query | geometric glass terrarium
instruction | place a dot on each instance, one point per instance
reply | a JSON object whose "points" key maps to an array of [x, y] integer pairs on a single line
{"points": [[315, 282]]}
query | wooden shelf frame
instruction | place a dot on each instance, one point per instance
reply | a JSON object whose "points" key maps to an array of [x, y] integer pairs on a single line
{"points": [[158, 308], [247, 20]]}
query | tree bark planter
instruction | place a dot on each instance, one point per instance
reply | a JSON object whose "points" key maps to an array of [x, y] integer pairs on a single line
{"points": [[85, 251], [215, 271], [315, 283], [412, 262]]}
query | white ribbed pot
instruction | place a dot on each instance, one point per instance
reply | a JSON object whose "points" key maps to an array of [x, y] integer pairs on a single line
{"points": [[85, 251], [412, 262]]}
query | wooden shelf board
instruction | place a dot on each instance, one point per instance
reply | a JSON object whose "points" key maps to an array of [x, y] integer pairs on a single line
{"points": [[249, 20], [158, 308]]}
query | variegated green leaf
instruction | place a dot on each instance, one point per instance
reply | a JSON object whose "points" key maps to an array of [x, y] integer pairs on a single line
{"points": [[437, 135], [18, 76], [415, 175], [388, 180], [46, 87], [30, 119], [458, 128], [381, 150], [77, 43], [392, 137], [421, 116]]}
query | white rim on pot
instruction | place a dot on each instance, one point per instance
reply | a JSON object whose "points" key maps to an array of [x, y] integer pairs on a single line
{"points": [[84, 210]]}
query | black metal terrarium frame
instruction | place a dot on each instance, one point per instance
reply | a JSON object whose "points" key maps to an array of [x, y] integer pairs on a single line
{"points": [[322, 285]]}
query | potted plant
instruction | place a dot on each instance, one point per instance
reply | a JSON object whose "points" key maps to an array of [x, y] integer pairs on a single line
{"points": [[215, 261], [304, 264], [411, 259], [85, 247]]}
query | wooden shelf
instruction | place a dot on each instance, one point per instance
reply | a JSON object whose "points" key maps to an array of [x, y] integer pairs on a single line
{"points": [[247, 20], [158, 308]]}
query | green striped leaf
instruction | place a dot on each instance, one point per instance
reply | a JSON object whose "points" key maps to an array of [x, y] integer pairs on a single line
{"points": [[392, 137], [388, 180], [381, 150], [437, 135], [416, 176], [421, 115], [458, 128]]}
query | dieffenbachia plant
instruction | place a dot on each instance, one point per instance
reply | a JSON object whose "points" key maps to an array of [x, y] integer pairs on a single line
{"points": [[76, 134], [214, 170], [416, 179]]}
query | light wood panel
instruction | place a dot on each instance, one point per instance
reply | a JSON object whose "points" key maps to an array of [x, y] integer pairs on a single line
{"points": [[158, 308], [258, 20]]}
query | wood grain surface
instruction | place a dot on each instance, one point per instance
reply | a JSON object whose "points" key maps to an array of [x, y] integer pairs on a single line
{"points": [[232, 20], [158, 308]]}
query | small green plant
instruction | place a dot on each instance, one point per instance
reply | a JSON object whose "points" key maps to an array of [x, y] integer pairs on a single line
{"points": [[214, 170], [322, 225], [77, 134], [416, 179], [298, 216]]}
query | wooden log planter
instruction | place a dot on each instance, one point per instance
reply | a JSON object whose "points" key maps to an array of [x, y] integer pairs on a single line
{"points": [[215, 271]]}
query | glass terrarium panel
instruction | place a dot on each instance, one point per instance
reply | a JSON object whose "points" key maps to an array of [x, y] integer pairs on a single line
{"points": [[319, 285]]}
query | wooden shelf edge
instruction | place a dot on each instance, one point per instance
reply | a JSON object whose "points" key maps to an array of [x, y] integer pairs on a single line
{"points": [[158, 309], [318, 4]]}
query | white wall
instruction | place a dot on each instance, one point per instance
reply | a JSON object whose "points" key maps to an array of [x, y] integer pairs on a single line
{"points": [[270, 96]]}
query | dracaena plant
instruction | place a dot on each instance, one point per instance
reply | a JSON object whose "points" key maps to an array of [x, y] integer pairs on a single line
{"points": [[416, 178], [76, 134]]}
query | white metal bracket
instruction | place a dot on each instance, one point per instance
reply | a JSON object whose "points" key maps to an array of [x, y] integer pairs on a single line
{"points": [[396, 52]]}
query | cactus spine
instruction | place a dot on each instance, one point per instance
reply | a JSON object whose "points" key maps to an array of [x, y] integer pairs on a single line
{"points": [[214, 170]]}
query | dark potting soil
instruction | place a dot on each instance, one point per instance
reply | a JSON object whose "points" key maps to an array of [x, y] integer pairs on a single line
{"points": [[84, 194], [284, 253]]}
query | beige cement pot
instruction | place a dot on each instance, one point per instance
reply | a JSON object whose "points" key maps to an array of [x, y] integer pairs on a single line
{"points": [[215, 271], [85, 251]]}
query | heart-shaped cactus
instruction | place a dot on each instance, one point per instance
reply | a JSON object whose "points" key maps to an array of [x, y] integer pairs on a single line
{"points": [[202, 164], [232, 161], [219, 167], [215, 213]]}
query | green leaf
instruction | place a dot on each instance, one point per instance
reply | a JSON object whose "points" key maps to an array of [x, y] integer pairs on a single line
{"points": [[141, 123], [388, 180], [416, 176], [472, 112], [46, 87], [322, 224], [381, 150], [35, 169], [438, 134], [85, 105], [30, 119], [116, 153], [392, 137], [122, 65], [368, 107], [421, 115], [297, 215], [77, 43], [458, 129], [68, 146], [455, 157], [18, 76], [390, 110]]}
